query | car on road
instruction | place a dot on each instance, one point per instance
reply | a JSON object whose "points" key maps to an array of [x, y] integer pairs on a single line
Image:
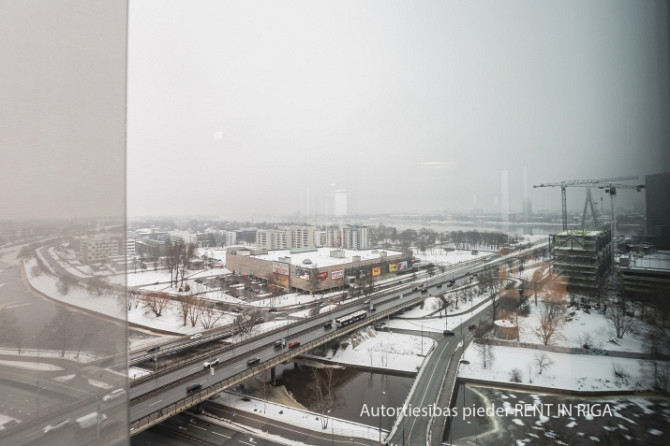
{"points": [[280, 343], [113, 394], [378, 326], [154, 349], [196, 336], [439, 285], [253, 361], [472, 327], [55, 426], [210, 363], [448, 333], [193, 387], [293, 344], [328, 325]]}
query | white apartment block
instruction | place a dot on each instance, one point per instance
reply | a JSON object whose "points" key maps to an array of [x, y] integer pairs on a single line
{"points": [[285, 238], [229, 237], [130, 247], [348, 237], [100, 246]]}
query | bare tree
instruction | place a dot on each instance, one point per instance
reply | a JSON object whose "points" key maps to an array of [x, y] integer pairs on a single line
{"points": [[186, 254], [9, 329], [172, 251], [542, 361], [186, 303], [209, 316], [97, 284], [60, 331], [65, 284], [322, 392], [132, 300], [552, 316], [156, 302], [621, 317], [245, 321], [537, 278], [36, 271], [487, 355]]}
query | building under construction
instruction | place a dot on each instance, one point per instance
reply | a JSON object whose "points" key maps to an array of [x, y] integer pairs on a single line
{"points": [[583, 257]]}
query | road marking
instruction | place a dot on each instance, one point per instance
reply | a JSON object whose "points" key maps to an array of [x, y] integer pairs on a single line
{"points": [[221, 435], [155, 402], [198, 427]]}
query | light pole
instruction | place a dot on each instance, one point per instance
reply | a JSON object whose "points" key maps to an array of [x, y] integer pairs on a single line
{"points": [[380, 414]]}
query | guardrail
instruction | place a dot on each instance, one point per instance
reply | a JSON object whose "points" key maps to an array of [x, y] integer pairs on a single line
{"points": [[226, 349], [201, 395]]}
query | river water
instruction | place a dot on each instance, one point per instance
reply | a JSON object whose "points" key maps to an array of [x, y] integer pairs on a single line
{"points": [[355, 392]]}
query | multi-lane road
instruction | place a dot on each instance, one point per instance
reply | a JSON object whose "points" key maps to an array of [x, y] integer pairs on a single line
{"points": [[157, 398]]}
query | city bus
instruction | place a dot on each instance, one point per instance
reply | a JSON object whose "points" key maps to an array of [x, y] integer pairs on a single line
{"points": [[350, 318]]}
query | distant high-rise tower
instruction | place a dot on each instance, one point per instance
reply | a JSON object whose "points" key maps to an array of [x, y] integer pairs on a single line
{"points": [[340, 203], [504, 198]]}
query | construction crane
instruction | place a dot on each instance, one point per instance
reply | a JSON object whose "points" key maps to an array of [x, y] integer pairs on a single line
{"points": [[610, 186], [579, 183]]}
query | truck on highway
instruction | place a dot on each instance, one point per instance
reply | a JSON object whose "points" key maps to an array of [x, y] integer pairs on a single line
{"points": [[90, 419]]}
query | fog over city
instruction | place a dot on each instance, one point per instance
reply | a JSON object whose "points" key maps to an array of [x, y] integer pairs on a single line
{"points": [[243, 109], [239, 109]]}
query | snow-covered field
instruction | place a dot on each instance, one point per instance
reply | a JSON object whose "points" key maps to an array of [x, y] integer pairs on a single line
{"points": [[111, 305], [567, 371], [368, 347], [590, 327]]}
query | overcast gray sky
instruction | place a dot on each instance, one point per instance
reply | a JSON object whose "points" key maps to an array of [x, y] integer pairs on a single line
{"points": [[236, 108]]}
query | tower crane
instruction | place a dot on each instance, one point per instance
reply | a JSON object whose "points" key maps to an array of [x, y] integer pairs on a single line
{"points": [[579, 183]]}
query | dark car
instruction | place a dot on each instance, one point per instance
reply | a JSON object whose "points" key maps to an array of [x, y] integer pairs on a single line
{"points": [[439, 285], [193, 388], [280, 343], [253, 361], [472, 327], [448, 333], [328, 325], [154, 349]]}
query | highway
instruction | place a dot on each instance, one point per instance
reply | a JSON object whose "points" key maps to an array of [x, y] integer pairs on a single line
{"points": [[156, 398]]}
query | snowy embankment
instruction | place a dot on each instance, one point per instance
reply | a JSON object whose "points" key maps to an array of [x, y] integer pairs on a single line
{"points": [[580, 373], [296, 417], [113, 305], [371, 348]]}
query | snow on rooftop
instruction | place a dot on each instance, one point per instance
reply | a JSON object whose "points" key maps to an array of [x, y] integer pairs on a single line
{"points": [[321, 257], [659, 260]]}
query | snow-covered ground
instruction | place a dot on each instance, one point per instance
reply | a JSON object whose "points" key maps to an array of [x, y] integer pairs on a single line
{"points": [[40, 353], [567, 371], [112, 305], [5, 419], [410, 320], [590, 327], [300, 418], [107, 304], [369, 347]]}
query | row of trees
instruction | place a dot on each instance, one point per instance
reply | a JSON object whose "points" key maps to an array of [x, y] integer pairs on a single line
{"points": [[425, 238], [177, 257], [191, 308]]}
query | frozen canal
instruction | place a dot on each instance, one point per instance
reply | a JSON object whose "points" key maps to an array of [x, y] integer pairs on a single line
{"points": [[524, 418]]}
